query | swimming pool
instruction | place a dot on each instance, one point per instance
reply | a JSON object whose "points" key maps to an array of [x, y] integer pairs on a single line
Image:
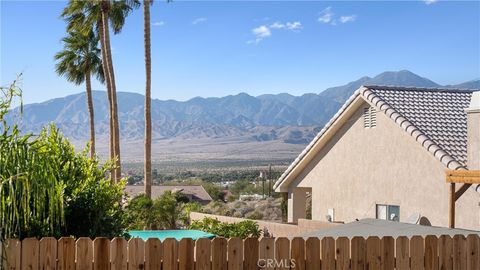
{"points": [[177, 234]]}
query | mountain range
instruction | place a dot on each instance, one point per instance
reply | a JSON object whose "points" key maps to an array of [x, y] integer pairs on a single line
{"points": [[283, 117]]}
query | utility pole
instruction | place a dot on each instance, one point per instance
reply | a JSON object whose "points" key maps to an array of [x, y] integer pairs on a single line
{"points": [[270, 180]]}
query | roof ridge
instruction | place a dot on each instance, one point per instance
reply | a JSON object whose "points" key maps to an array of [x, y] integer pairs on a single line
{"points": [[419, 135], [414, 88]]}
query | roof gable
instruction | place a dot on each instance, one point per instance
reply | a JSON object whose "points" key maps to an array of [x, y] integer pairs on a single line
{"points": [[436, 118]]}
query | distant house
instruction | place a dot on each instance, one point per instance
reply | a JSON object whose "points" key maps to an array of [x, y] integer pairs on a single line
{"points": [[384, 156], [194, 193]]}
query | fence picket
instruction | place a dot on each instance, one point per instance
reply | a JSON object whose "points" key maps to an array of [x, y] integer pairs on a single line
{"points": [[170, 254], [459, 252], [374, 253], [473, 255], [48, 253], [282, 253], [266, 251], [328, 253], [13, 254], [388, 253], [101, 253], [402, 253], [312, 250], [235, 253], [298, 253], [445, 252], [30, 254], [153, 254], [358, 253], [84, 253], [202, 254], [431, 252], [66, 253], [118, 254], [219, 253], [250, 253], [417, 253], [136, 254], [343, 253], [186, 249]]}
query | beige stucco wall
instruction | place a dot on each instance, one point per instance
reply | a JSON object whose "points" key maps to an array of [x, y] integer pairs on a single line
{"points": [[359, 168]]}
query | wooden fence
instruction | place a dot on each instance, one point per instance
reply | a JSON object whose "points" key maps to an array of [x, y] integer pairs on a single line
{"points": [[431, 252]]}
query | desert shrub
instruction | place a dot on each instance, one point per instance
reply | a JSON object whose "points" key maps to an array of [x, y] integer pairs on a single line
{"points": [[243, 229], [254, 215]]}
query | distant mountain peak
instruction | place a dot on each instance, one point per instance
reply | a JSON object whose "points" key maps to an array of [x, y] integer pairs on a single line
{"points": [[233, 115]]}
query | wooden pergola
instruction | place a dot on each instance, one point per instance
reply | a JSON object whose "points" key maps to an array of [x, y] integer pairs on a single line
{"points": [[464, 177]]}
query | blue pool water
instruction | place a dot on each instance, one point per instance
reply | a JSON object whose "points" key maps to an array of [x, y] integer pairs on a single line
{"points": [[177, 234]]}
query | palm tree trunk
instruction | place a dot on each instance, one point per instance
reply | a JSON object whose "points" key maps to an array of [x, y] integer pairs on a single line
{"points": [[88, 85], [106, 72], [148, 118], [111, 77]]}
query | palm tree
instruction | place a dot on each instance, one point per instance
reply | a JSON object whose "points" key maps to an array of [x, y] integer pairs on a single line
{"points": [[148, 118], [78, 61], [98, 15]]}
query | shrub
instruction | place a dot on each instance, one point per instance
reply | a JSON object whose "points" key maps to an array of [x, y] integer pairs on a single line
{"points": [[47, 189], [243, 229]]}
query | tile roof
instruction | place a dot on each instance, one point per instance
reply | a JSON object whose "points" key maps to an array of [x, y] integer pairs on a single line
{"points": [[435, 117], [197, 191]]}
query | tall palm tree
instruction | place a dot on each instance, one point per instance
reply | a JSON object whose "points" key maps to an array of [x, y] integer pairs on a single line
{"points": [[98, 15], [148, 118], [78, 61]]}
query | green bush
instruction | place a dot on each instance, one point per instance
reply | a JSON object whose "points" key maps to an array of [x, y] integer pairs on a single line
{"points": [[243, 229], [169, 211], [47, 189]]}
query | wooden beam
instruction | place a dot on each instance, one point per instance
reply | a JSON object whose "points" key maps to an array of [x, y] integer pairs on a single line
{"points": [[461, 190], [451, 209], [463, 176]]}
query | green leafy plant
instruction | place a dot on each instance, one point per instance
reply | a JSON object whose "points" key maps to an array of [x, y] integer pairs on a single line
{"points": [[48, 189], [243, 229]]}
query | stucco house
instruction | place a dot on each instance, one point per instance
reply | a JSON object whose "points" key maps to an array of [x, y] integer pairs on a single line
{"points": [[384, 155]]}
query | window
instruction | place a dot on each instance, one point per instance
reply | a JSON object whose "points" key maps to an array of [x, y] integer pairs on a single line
{"points": [[369, 117], [388, 212]]}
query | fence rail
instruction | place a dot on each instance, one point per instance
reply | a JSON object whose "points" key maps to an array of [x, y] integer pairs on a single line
{"points": [[430, 252]]}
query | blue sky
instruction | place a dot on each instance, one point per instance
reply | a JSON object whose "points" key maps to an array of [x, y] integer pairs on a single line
{"points": [[217, 48]]}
